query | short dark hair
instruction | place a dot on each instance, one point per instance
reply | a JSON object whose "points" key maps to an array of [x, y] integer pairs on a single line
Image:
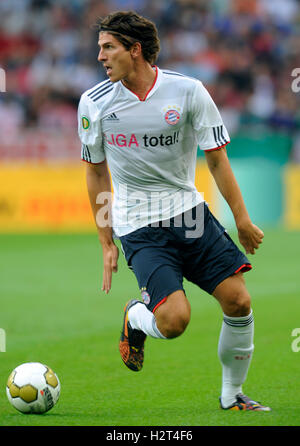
{"points": [[129, 27]]}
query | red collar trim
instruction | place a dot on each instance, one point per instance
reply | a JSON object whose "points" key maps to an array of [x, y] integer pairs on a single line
{"points": [[152, 86]]}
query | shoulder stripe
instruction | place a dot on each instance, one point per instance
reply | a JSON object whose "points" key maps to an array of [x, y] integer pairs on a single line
{"points": [[184, 76], [99, 87], [222, 135], [103, 93], [215, 136], [100, 90], [103, 84], [85, 153], [173, 73], [88, 153], [219, 136]]}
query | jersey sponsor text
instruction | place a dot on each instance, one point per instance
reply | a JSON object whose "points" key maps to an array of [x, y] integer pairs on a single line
{"points": [[132, 140]]}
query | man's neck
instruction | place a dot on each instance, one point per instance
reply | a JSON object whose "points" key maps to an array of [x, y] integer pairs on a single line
{"points": [[140, 80]]}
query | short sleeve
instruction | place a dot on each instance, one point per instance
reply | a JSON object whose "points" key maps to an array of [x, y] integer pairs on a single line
{"points": [[210, 131], [89, 131]]}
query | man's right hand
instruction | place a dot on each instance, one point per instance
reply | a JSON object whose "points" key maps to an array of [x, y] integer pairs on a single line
{"points": [[110, 265]]}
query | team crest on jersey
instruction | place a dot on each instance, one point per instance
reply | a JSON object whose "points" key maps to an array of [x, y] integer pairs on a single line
{"points": [[172, 114], [145, 296], [85, 122]]}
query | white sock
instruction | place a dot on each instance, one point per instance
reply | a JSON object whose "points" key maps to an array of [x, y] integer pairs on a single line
{"points": [[235, 352], [141, 318]]}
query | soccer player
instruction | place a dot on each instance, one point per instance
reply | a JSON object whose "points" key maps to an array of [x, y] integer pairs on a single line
{"points": [[142, 127]]}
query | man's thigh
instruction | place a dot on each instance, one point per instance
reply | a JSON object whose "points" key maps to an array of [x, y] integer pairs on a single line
{"points": [[233, 296]]}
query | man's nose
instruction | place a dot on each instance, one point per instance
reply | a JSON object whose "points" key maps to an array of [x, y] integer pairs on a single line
{"points": [[101, 56]]}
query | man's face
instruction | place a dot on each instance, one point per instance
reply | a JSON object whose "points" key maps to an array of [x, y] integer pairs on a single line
{"points": [[115, 58]]}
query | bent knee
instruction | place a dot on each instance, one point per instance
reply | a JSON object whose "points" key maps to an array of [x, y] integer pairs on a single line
{"points": [[175, 325], [174, 315], [239, 304]]}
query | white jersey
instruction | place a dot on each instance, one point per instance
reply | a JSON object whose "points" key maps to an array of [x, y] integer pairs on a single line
{"points": [[150, 145]]}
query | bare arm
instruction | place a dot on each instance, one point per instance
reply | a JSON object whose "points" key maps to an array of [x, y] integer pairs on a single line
{"points": [[98, 182], [250, 235]]}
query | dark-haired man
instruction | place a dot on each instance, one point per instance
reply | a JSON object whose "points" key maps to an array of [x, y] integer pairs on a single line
{"points": [[145, 124]]}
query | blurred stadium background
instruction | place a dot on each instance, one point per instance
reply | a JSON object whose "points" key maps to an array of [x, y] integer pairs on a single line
{"points": [[244, 51]]}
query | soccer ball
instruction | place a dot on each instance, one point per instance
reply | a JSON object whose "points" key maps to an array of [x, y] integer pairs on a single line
{"points": [[33, 388]]}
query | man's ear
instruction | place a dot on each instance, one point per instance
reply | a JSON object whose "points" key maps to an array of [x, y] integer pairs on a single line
{"points": [[136, 49]]}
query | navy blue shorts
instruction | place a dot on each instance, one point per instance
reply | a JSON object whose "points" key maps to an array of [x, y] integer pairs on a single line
{"points": [[162, 255]]}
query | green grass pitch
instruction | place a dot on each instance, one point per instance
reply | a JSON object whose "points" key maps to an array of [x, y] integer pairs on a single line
{"points": [[53, 312]]}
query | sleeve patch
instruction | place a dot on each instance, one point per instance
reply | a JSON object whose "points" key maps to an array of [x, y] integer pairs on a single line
{"points": [[85, 123]]}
